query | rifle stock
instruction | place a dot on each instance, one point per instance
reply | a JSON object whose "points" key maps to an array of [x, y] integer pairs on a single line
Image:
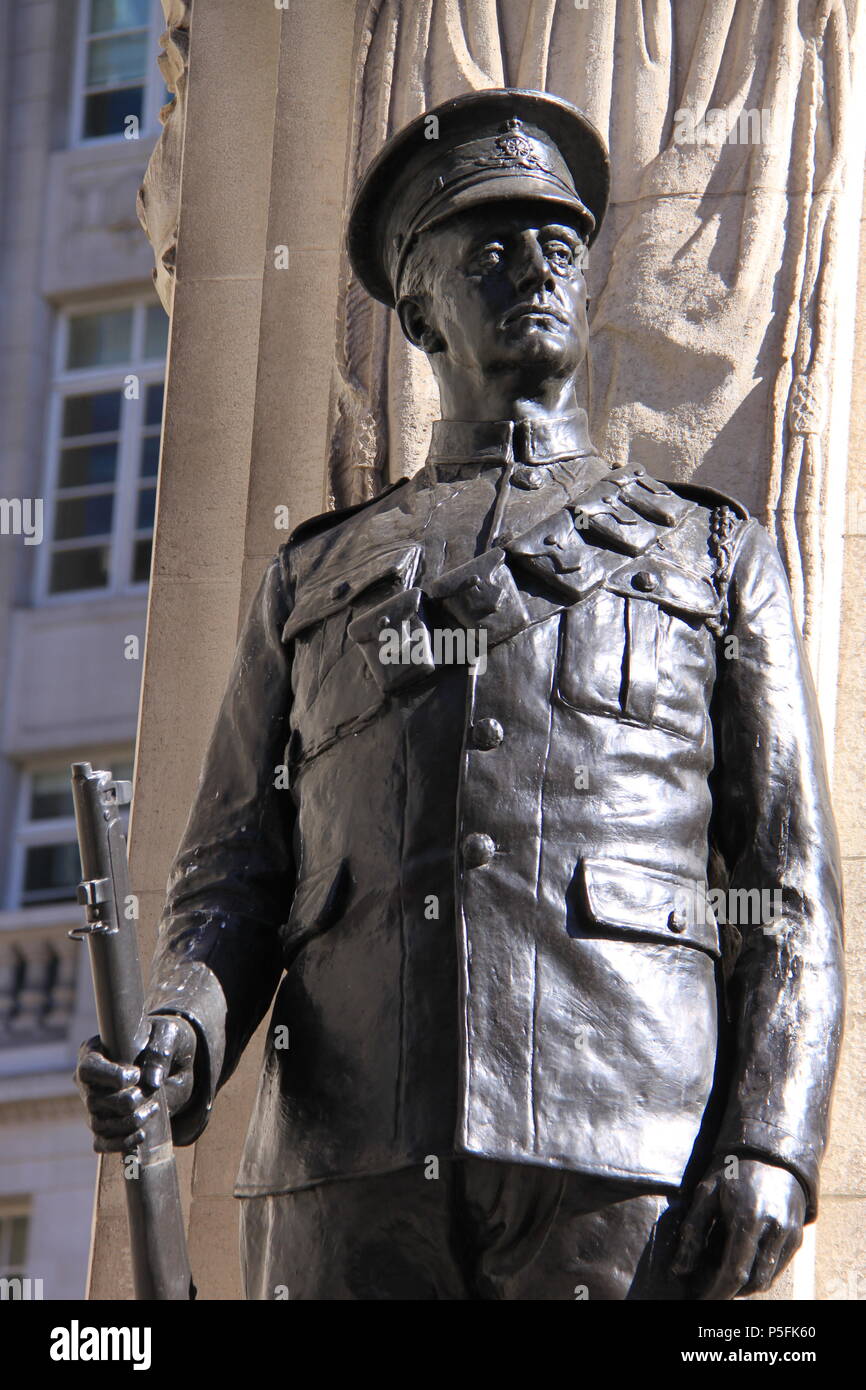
{"points": [[160, 1264]]}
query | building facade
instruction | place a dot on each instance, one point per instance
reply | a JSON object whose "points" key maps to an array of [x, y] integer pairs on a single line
{"points": [[82, 352]]}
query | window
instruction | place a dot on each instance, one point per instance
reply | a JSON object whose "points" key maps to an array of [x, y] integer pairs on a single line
{"points": [[120, 86], [14, 1236], [105, 427], [47, 868]]}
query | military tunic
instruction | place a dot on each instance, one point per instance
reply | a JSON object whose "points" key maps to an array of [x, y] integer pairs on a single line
{"points": [[480, 888]]}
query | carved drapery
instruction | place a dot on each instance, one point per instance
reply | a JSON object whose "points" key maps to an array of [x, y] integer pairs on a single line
{"points": [[713, 279], [158, 202]]}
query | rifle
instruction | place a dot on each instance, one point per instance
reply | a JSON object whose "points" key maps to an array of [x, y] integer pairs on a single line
{"points": [[160, 1264]]}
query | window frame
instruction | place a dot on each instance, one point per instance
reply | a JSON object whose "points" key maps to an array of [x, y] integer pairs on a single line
{"points": [[67, 382], [153, 81], [12, 1208], [53, 830]]}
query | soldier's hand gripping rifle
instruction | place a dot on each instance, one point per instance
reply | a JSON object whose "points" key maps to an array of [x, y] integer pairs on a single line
{"points": [[160, 1265]]}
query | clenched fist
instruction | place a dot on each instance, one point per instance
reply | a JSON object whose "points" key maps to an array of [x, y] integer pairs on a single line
{"points": [[120, 1096], [752, 1223]]}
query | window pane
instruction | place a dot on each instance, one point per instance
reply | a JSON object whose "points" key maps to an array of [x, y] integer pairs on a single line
{"points": [[155, 331], [111, 61], [51, 873], [106, 112], [94, 414], [18, 1241], [118, 14], [99, 340], [50, 795], [86, 568], [91, 463], [150, 456], [141, 562], [146, 508], [153, 404], [84, 516]]}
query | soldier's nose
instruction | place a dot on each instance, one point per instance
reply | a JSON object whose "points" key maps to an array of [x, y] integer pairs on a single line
{"points": [[531, 271]]}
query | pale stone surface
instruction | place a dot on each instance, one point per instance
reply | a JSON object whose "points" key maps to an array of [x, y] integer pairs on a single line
{"points": [[213, 1247], [841, 1233], [289, 447], [841, 1265]]}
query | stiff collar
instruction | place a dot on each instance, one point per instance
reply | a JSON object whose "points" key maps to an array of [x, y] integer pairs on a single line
{"points": [[510, 441]]}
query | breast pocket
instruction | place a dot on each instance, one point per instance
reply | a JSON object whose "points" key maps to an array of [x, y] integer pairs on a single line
{"points": [[639, 650], [334, 692]]}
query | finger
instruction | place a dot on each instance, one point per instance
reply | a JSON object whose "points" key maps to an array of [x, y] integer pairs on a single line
{"points": [[768, 1259], [790, 1248], [96, 1072], [125, 1145], [185, 1041], [736, 1263], [695, 1230], [114, 1126], [178, 1090], [124, 1102], [156, 1059]]}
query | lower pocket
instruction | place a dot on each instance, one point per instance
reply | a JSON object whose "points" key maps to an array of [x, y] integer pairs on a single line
{"points": [[609, 898], [320, 901]]}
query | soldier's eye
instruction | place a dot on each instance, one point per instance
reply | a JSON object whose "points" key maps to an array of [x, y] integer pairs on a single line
{"points": [[489, 257], [559, 254]]}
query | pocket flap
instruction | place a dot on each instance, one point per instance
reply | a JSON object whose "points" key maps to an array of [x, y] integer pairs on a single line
{"points": [[556, 552], [667, 585], [318, 902], [482, 594], [395, 641], [648, 903], [323, 593]]}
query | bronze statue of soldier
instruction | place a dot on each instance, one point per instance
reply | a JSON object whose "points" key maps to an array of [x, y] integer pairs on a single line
{"points": [[494, 747]]}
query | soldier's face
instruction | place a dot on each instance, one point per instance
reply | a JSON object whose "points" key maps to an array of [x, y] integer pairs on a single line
{"points": [[510, 295]]}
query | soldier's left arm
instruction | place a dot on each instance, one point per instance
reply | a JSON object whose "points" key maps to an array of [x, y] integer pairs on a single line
{"points": [[773, 824], [218, 957]]}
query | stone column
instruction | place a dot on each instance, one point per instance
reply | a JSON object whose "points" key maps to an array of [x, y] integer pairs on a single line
{"points": [[195, 595]]}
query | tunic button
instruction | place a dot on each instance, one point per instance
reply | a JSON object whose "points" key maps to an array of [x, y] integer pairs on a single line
{"points": [[487, 733], [478, 850], [530, 478], [644, 581], [677, 921]]}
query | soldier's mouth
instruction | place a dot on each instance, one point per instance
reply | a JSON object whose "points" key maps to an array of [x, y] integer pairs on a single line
{"points": [[535, 311]]}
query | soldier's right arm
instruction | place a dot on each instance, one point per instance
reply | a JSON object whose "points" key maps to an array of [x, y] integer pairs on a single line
{"points": [[217, 961], [774, 825]]}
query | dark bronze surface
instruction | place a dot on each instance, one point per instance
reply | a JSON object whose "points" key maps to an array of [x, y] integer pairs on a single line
{"points": [[556, 887]]}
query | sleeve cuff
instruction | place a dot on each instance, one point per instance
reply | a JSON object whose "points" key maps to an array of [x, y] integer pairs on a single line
{"points": [[765, 1140], [194, 991]]}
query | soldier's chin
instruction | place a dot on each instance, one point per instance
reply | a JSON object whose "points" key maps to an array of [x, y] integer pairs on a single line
{"points": [[538, 340]]}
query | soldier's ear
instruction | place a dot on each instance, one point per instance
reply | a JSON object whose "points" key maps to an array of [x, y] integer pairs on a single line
{"points": [[416, 325]]}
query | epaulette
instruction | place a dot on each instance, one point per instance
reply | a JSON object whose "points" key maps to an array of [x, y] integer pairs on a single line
{"points": [[314, 525], [725, 513], [709, 497]]}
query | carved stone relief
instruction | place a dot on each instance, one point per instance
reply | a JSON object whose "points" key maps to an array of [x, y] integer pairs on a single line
{"points": [[158, 202]]}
